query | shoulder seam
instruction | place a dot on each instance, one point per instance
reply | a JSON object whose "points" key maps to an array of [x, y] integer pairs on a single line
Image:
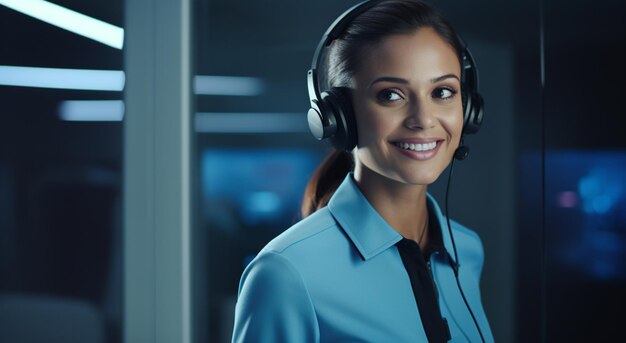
{"points": [[302, 239]]}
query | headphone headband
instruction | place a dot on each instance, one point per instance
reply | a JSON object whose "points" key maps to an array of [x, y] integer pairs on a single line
{"points": [[333, 32], [338, 27]]}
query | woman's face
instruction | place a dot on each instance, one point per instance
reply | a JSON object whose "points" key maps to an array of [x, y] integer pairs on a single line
{"points": [[408, 108]]}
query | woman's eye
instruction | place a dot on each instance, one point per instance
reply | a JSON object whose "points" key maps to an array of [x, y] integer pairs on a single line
{"points": [[389, 95], [444, 93]]}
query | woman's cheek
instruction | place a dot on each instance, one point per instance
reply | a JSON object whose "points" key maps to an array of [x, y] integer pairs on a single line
{"points": [[368, 127]]}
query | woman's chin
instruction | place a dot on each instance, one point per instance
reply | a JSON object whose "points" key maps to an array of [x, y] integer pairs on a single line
{"points": [[421, 180], [414, 179]]}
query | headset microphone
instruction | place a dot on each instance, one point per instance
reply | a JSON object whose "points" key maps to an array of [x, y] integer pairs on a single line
{"points": [[461, 152]]}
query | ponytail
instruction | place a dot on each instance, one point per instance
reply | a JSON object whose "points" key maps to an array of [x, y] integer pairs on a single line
{"points": [[325, 181]]}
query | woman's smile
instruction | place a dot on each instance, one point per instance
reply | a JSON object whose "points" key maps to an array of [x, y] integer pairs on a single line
{"points": [[419, 151]]}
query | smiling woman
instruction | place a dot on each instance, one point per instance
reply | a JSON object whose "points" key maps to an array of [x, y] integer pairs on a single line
{"points": [[375, 259]]}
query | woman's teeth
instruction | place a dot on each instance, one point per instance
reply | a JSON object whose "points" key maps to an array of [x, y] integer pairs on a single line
{"points": [[417, 147]]}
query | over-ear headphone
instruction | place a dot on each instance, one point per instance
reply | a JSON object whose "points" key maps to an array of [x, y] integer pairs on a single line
{"points": [[331, 115]]}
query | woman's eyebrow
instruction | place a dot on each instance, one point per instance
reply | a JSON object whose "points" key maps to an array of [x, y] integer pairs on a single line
{"points": [[443, 77], [406, 82], [389, 79]]}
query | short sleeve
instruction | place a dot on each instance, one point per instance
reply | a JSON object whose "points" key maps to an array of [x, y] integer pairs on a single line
{"points": [[273, 303]]}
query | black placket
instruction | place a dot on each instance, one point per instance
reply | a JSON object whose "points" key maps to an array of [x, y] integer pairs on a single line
{"points": [[424, 290]]}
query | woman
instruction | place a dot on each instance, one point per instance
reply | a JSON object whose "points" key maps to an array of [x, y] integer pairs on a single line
{"points": [[373, 260]]}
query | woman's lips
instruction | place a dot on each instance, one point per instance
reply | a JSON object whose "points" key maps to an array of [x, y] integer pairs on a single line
{"points": [[419, 149]]}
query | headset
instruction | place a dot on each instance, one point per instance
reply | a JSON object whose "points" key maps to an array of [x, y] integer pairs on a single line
{"points": [[331, 115]]}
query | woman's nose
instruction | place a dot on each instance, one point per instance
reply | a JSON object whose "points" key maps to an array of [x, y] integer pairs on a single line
{"points": [[420, 116]]}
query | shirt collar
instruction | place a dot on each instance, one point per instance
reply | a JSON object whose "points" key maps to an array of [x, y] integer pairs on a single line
{"points": [[366, 228]]}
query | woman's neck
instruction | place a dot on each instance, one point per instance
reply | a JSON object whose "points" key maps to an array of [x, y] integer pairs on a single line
{"points": [[403, 206]]}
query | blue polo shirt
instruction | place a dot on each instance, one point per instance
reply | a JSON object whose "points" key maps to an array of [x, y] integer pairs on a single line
{"points": [[337, 276]]}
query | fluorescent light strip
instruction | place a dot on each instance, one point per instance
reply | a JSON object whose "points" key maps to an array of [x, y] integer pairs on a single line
{"points": [[67, 19], [228, 85], [114, 80], [206, 122], [91, 110], [84, 79], [211, 122]]}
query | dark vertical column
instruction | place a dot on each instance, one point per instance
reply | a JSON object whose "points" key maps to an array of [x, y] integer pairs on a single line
{"points": [[529, 161], [585, 170]]}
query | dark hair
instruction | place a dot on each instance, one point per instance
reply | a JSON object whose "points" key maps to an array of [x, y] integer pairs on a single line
{"points": [[325, 180], [387, 17]]}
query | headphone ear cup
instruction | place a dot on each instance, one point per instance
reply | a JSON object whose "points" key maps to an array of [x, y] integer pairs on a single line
{"points": [[478, 106], [472, 112], [338, 101], [467, 107]]}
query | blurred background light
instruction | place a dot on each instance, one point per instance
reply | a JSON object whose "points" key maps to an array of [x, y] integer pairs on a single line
{"points": [[69, 20], [260, 186], [114, 80], [601, 188], [568, 199], [214, 122], [228, 85], [91, 110], [259, 206], [61, 78]]}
